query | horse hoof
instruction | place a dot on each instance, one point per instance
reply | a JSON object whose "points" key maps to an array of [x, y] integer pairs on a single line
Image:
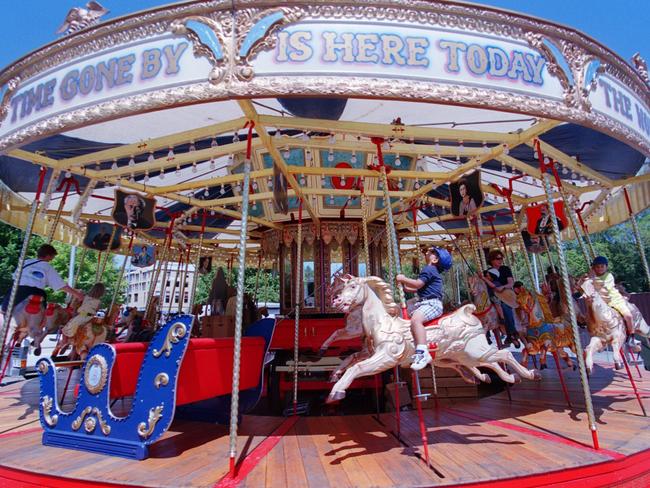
{"points": [[618, 365], [335, 396], [37, 351], [517, 378], [543, 366], [536, 375], [487, 379], [334, 378]]}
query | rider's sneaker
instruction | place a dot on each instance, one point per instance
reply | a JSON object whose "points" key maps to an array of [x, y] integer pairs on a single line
{"points": [[420, 359]]}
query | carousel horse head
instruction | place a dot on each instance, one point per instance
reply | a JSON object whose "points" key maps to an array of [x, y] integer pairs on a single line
{"points": [[356, 291], [477, 286]]}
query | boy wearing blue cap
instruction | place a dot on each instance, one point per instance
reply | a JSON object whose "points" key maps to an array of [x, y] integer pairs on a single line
{"points": [[428, 286], [604, 281]]}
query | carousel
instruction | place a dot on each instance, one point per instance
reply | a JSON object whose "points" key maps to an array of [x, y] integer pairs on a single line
{"points": [[331, 148]]}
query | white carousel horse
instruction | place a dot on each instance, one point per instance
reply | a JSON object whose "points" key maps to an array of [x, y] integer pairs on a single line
{"points": [[606, 325], [459, 338], [544, 333], [353, 328]]}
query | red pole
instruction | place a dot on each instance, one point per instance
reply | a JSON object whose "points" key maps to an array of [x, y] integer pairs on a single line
{"points": [[629, 375], [560, 374]]}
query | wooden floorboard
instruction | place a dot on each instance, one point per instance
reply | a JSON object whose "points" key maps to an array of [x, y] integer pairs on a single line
{"points": [[491, 438]]}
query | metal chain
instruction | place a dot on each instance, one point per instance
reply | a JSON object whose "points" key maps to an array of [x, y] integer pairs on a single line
{"points": [[297, 295], [572, 313], [236, 360], [366, 242]]}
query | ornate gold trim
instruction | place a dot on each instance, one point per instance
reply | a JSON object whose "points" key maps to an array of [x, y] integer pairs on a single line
{"points": [[43, 367], [47, 403], [161, 379], [175, 333], [96, 361], [146, 429], [76, 424], [90, 424], [103, 425]]}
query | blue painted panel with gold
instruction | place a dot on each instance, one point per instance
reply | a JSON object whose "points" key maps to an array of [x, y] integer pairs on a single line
{"points": [[91, 426]]}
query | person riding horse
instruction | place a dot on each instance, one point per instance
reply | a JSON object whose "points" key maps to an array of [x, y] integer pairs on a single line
{"points": [[38, 274]]}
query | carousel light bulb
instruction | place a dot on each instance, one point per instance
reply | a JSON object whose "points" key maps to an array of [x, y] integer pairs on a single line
{"points": [[131, 178], [162, 173], [330, 156], [170, 154], [322, 181], [231, 158], [506, 149], [114, 165], [307, 155], [178, 170], [417, 184], [485, 149], [574, 176], [331, 139], [194, 168], [398, 161], [304, 136], [146, 176], [131, 162], [214, 143], [385, 145], [461, 147], [254, 206], [212, 163], [458, 158], [222, 190], [503, 168], [400, 184], [235, 137], [150, 157], [331, 199], [68, 174], [238, 188], [286, 153], [353, 158], [342, 180], [303, 181], [213, 213], [269, 183], [254, 185], [278, 134], [192, 147]]}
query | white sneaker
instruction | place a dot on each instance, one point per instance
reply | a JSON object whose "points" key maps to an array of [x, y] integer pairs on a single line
{"points": [[420, 359]]}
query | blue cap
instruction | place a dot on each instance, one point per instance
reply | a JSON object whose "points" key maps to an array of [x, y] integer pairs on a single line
{"points": [[600, 260], [444, 259]]}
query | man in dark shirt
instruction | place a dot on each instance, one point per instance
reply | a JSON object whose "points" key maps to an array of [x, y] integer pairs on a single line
{"points": [[500, 279], [429, 289]]}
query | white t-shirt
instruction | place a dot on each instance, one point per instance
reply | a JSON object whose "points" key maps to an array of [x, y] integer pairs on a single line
{"points": [[41, 275]]}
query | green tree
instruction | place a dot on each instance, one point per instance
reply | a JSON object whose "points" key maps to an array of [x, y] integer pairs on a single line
{"points": [[268, 289]]}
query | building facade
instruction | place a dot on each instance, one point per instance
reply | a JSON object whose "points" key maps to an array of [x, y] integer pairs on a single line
{"points": [[139, 282]]}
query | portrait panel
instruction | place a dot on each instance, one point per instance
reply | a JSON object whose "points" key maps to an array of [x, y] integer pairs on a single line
{"points": [[466, 195], [133, 211]]}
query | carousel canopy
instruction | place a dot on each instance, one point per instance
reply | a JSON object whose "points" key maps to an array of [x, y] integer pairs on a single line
{"points": [[158, 103]]}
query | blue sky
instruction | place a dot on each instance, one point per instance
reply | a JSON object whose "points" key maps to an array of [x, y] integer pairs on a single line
{"points": [[620, 25]]}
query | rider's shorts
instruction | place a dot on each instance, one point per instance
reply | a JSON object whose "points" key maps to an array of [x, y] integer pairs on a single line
{"points": [[430, 309]]}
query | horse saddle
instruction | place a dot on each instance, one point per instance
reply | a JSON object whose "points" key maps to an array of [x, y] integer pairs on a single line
{"points": [[436, 322]]}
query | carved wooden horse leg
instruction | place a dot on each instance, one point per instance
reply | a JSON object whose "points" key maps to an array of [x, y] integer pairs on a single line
{"points": [[349, 361], [505, 356], [341, 334], [380, 361]]}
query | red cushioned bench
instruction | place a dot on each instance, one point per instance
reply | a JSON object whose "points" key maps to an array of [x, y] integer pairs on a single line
{"points": [[206, 371]]}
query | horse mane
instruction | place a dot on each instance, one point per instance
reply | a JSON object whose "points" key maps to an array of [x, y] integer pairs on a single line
{"points": [[385, 293]]}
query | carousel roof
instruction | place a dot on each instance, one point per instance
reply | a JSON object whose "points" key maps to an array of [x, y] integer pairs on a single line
{"points": [[189, 152]]}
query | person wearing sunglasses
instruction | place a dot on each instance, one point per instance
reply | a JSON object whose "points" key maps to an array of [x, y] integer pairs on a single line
{"points": [[500, 285]]}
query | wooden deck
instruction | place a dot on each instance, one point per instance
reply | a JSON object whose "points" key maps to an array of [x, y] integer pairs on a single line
{"points": [[528, 441]]}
